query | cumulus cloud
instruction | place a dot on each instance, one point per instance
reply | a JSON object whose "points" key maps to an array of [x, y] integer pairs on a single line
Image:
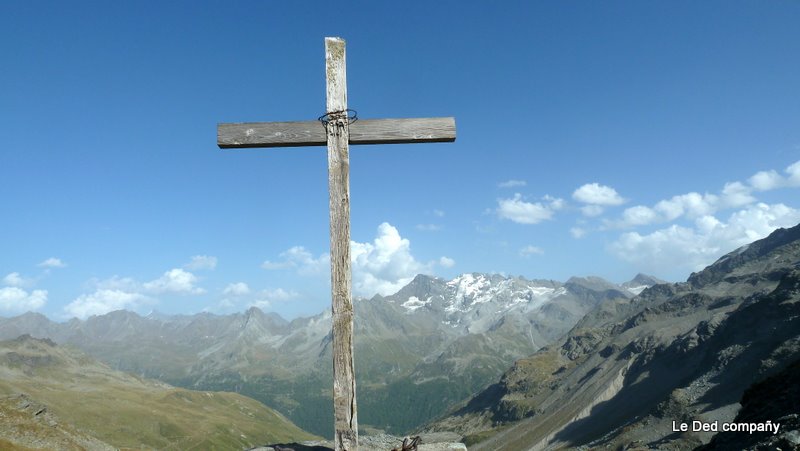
{"points": [[691, 205], [680, 248], [385, 265], [176, 281], [382, 266], [116, 293], [527, 251], [52, 262], [299, 258], [769, 180], [261, 304], [512, 183], [265, 299], [520, 211], [638, 215], [103, 301], [278, 294], [694, 205], [236, 289], [17, 300], [736, 194], [597, 194], [200, 262], [14, 279], [115, 283], [793, 172], [766, 180]]}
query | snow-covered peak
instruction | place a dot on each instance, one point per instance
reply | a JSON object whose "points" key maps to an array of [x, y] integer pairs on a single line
{"points": [[467, 291], [414, 303], [468, 285], [638, 289]]}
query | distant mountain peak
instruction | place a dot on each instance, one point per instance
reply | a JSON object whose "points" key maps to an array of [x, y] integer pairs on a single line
{"points": [[641, 282]]}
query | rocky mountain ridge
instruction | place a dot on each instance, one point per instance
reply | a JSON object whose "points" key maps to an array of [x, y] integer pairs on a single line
{"points": [[631, 367]]}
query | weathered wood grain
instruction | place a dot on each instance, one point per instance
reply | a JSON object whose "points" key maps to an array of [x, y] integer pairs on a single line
{"points": [[338, 137], [312, 133]]}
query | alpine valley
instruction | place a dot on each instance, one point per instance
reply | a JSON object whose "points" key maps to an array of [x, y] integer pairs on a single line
{"points": [[429, 346]]}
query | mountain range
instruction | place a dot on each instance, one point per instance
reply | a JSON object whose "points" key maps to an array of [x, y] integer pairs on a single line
{"points": [[583, 364], [419, 351], [633, 367]]}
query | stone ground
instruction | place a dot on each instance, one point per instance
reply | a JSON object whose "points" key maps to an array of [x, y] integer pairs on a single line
{"points": [[438, 441]]}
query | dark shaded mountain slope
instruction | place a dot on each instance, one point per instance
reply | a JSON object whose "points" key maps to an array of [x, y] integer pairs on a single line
{"points": [[633, 366]]}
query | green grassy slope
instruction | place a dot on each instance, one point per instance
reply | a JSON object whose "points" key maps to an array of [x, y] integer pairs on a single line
{"points": [[133, 413]]}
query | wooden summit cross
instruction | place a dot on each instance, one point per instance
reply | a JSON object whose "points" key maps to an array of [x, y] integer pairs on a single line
{"points": [[338, 132]]}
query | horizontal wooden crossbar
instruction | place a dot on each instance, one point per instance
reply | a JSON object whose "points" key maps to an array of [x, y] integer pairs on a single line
{"points": [[312, 133]]}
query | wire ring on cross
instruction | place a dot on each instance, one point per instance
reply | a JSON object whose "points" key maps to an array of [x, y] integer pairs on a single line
{"points": [[350, 115]]}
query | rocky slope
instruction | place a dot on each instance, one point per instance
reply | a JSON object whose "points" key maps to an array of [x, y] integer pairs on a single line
{"points": [[52, 397], [430, 345], [631, 367]]}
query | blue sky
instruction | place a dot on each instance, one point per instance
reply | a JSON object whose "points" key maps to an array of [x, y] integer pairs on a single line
{"points": [[593, 139]]}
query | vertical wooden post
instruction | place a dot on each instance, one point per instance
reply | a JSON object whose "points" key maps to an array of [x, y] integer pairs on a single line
{"points": [[338, 134]]}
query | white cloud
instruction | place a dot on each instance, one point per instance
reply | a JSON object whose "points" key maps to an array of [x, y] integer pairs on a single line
{"points": [[278, 294], [736, 194], [527, 251], [103, 301], [577, 232], [769, 180], [522, 212], [692, 205], [261, 304], [298, 257], [638, 215], [794, 174], [17, 300], [382, 266], [597, 194], [766, 180], [176, 281], [115, 283], [14, 279], [678, 248], [199, 262], [512, 183], [266, 298], [52, 262], [385, 265], [438, 213], [236, 289], [429, 227]]}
